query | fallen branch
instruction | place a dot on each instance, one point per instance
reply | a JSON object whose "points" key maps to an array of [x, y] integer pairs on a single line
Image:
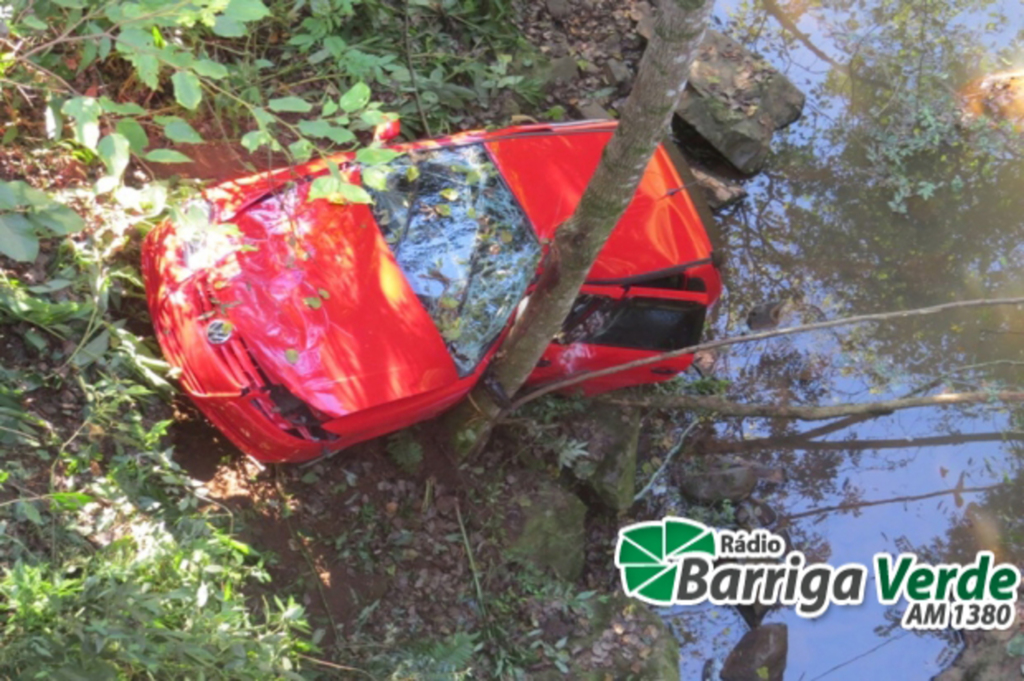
{"points": [[763, 335], [855, 505], [801, 412], [664, 464], [795, 442]]}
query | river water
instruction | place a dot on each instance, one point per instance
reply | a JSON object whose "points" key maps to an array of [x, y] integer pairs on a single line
{"points": [[882, 197]]}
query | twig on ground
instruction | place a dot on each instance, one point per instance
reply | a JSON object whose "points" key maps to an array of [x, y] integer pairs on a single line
{"points": [[664, 464]]}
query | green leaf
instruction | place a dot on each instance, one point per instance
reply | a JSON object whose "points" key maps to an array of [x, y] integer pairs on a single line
{"points": [[337, 190], [18, 240], [178, 130], [59, 220], [167, 156], [376, 177], [53, 121], [294, 104], [69, 501], [30, 512], [321, 128], [301, 149], [27, 195], [86, 111], [255, 139], [292, 355], [8, 201], [210, 69], [372, 157], [133, 131], [114, 151], [313, 302], [330, 108], [138, 48], [226, 27], [246, 10], [32, 21], [94, 350], [188, 90], [126, 109], [449, 194], [357, 97]]}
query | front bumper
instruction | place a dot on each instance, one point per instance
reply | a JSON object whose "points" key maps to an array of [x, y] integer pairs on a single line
{"points": [[222, 379]]}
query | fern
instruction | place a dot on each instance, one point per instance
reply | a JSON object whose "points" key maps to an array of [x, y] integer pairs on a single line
{"points": [[447, 660]]}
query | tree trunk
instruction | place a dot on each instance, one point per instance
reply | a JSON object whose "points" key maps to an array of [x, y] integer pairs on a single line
{"points": [[646, 115]]}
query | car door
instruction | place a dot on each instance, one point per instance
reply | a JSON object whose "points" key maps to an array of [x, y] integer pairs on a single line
{"points": [[614, 325]]}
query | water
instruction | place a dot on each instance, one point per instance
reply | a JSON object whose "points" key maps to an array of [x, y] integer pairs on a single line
{"points": [[881, 198]]}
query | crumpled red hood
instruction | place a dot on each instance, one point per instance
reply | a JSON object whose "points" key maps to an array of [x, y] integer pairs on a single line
{"points": [[318, 299]]}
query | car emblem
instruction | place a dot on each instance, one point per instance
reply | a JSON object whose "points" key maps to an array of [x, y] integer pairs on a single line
{"points": [[218, 332]]}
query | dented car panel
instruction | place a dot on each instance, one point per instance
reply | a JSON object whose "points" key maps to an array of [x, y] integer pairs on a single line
{"points": [[302, 327]]}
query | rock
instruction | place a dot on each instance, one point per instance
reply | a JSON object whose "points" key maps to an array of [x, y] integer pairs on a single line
{"points": [[608, 470], [736, 100], [564, 69], [760, 651], [616, 72], [643, 15], [985, 657], [625, 639], [559, 9], [720, 192], [552, 535], [593, 111], [732, 483]]}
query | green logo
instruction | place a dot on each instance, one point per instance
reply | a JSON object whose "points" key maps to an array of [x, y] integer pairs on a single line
{"points": [[649, 555]]}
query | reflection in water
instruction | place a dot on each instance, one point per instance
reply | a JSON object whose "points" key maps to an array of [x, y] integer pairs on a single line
{"points": [[885, 196]]}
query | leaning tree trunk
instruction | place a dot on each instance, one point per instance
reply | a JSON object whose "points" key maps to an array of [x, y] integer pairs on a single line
{"points": [[645, 118]]}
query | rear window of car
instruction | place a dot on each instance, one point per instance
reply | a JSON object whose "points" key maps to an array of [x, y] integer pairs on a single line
{"points": [[653, 324], [462, 241]]}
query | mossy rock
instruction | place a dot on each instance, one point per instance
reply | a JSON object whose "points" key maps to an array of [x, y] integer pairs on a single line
{"points": [[552, 533], [612, 435], [626, 640]]}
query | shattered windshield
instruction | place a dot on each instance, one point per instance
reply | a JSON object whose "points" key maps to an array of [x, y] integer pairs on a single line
{"points": [[462, 242]]}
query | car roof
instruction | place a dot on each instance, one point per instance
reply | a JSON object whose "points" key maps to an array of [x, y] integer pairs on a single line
{"points": [[548, 166]]}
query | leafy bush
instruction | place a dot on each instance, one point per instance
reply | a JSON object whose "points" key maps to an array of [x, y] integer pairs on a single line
{"points": [[158, 602]]}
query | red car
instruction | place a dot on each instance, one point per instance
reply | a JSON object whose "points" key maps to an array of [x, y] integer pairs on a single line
{"points": [[303, 327]]}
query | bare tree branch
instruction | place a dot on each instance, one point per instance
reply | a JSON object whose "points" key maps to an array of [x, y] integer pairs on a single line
{"points": [[855, 505], [795, 442], [802, 412], [763, 335]]}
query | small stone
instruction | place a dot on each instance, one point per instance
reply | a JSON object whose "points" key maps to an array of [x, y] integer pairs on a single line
{"points": [[716, 485], [643, 15], [720, 192], [759, 656], [564, 69], [559, 9], [593, 111], [616, 72]]}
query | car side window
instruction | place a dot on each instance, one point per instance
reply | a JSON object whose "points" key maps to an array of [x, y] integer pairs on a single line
{"points": [[461, 240], [655, 324]]}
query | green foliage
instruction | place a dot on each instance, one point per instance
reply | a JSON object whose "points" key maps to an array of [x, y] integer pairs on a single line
{"points": [[446, 660], [26, 215], [164, 601], [405, 451], [112, 565], [171, 47]]}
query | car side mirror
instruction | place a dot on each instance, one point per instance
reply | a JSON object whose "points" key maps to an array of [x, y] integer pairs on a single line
{"points": [[388, 130]]}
